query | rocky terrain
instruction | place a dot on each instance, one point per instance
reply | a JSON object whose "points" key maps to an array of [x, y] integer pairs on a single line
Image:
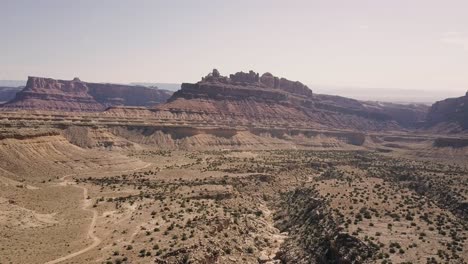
{"points": [[449, 115], [50, 94], [269, 100], [248, 168], [240, 99], [147, 205], [78, 96]]}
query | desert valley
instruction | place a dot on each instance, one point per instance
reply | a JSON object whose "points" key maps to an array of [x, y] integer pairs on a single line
{"points": [[244, 168]]}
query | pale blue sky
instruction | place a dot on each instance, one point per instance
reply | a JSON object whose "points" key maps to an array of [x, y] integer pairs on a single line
{"points": [[417, 44]]}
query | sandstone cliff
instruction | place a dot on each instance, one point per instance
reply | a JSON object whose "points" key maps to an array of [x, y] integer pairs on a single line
{"points": [[75, 95], [269, 101], [244, 100], [50, 94]]}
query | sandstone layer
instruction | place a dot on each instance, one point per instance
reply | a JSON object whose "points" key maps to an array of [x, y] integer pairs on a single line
{"points": [[248, 100], [270, 101], [75, 95]]}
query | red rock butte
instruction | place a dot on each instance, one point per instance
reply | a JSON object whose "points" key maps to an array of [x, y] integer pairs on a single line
{"points": [[77, 96]]}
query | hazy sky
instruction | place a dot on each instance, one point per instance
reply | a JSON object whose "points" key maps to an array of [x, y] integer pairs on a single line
{"points": [[417, 44]]}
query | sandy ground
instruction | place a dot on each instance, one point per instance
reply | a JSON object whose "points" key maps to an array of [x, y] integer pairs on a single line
{"points": [[63, 204]]}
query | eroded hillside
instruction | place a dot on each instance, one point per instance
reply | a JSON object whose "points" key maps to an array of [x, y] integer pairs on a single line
{"points": [[238, 169], [149, 205]]}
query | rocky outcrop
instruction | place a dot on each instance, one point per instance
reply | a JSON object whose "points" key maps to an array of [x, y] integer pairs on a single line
{"points": [[449, 111], [50, 94], [239, 99], [76, 95], [243, 85], [266, 100], [296, 88], [244, 100], [315, 235]]}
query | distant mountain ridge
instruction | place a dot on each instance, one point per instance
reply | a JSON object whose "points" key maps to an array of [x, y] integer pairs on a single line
{"points": [[8, 93], [164, 86], [397, 95], [75, 95], [243, 98], [266, 100], [450, 114]]}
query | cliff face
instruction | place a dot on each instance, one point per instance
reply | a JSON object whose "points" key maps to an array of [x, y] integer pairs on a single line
{"points": [[408, 116], [50, 94], [244, 99], [241, 86], [75, 95], [452, 111], [266, 100]]}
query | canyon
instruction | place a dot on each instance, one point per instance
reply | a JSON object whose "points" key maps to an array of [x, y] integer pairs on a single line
{"points": [[245, 168]]}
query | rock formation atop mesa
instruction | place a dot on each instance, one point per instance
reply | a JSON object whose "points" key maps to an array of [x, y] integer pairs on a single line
{"points": [[50, 94], [76, 95], [266, 100], [243, 98], [240, 98], [243, 86], [253, 79]]}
